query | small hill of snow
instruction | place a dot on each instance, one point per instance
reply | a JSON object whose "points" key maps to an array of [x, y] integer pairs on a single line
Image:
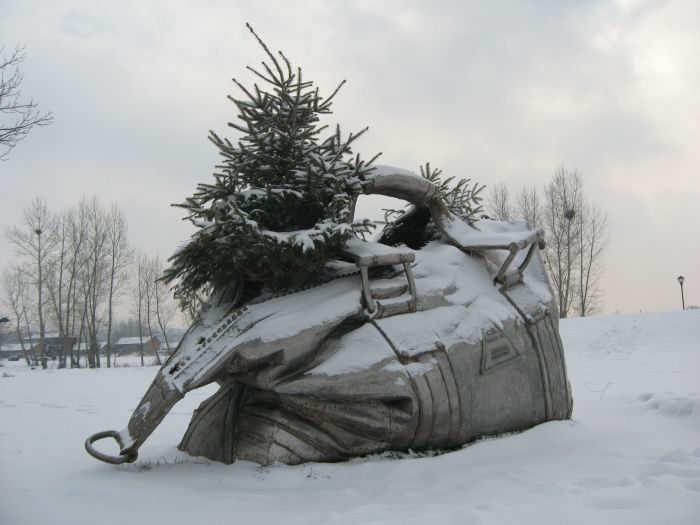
{"points": [[631, 454]]}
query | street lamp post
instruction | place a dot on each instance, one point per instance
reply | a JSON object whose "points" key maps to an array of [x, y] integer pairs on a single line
{"points": [[680, 281]]}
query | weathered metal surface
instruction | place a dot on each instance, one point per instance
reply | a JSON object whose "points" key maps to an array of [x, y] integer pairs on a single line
{"points": [[445, 345]]}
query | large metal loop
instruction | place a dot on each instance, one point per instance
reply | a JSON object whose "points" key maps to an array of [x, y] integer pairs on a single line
{"points": [[129, 457]]}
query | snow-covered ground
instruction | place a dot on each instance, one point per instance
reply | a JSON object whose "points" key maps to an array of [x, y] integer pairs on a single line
{"points": [[630, 455]]}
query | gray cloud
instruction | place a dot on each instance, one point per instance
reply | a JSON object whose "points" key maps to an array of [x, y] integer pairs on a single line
{"points": [[495, 91]]}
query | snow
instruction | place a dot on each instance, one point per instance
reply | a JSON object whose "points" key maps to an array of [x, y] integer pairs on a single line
{"points": [[384, 170], [470, 239], [133, 340], [100, 344], [631, 454], [456, 302], [358, 350], [13, 347], [366, 251]]}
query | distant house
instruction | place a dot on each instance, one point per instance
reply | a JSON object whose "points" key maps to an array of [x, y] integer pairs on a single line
{"points": [[132, 345], [85, 346], [12, 351], [53, 345]]}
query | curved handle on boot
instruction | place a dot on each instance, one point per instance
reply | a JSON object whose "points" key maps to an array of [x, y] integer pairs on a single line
{"points": [[402, 184], [129, 457]]}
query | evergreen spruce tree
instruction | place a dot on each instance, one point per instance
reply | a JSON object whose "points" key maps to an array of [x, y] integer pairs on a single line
{"points": [[282, 203]]}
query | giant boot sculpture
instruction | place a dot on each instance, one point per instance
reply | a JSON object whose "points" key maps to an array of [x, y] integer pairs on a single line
{"points": [[394, 348]]}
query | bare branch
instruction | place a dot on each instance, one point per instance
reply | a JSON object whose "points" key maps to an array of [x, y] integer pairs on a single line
{"points": [[17, 117], [499, 205]]}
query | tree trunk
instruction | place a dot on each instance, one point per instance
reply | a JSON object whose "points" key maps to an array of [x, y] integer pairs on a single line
{"points": [[21, 341], [109, 313], [40, 285]]}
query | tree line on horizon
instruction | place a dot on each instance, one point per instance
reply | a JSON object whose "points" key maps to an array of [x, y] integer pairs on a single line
{"points": [[71, 270]]}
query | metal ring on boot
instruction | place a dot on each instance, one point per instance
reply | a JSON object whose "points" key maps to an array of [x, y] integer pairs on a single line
{"points": [[129, 457]]}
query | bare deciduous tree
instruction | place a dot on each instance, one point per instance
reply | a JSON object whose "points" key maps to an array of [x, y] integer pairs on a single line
{"points": [[95, 276], [82, 304], [76, 313], [590, 245], [499, 205], [15, 298], [63, 278], [139, 286], [563, 201], [139, 291], [120, 256], [34, 241], [18, 117], [55, 282], [576, 237], [150, 273], [163, 303], [78, 235], [528, 207]]}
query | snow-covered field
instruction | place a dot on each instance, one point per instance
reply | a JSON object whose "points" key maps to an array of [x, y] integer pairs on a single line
{"points": [[630, 455]]}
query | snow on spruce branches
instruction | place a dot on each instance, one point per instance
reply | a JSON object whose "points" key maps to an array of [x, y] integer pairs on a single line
{"points": [[282, 203]]}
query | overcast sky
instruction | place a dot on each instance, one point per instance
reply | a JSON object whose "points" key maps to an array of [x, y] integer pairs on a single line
{"points": [[493, 91]]}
